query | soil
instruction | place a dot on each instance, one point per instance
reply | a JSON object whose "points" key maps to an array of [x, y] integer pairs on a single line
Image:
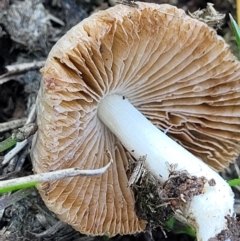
{"points": [[28, 30]]}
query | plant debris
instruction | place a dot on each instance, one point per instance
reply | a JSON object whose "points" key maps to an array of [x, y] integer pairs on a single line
{"points": [[232, 232], [127, 2], [25, 132], [28, 24], [29, 218], [210, 16], [157, 203]]}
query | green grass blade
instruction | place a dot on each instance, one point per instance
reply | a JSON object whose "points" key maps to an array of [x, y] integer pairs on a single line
{"points": [[8, 143], [17, 187], [234, 182], [179, 228], [236, 30]]}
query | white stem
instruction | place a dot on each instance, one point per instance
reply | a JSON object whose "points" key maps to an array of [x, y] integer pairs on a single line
{"points": [[140, 137]]}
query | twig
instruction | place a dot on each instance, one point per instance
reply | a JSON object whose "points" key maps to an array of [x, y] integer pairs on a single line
{"points": [[8, 200], [20, 145], [32, 180], [10, 125], [32, 114], [15, 69], [50, 231], [21, 159], [19, 138], [54, 19], [11, 166]]}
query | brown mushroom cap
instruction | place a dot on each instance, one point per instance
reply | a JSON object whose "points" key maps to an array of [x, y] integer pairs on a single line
{"points": [[172, 68]]}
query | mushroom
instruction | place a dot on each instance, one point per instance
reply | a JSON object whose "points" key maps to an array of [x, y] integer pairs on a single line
{"points": [[113, 82]]}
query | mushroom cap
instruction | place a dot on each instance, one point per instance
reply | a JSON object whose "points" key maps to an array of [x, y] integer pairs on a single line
{"points": [[172, 68]]}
